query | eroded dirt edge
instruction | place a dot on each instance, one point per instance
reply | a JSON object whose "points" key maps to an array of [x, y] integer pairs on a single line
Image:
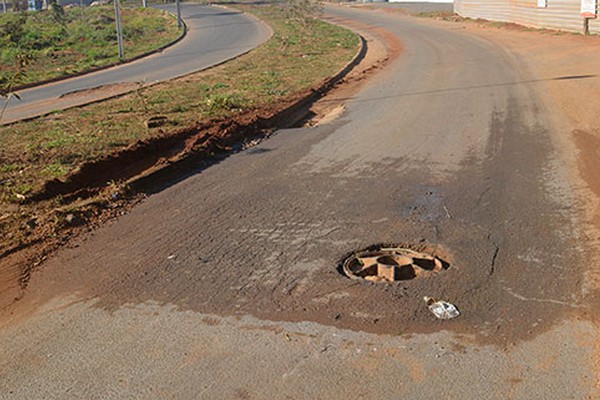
{"points": [[147, 166]]}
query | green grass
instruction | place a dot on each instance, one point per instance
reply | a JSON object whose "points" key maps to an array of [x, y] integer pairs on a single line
{"points": [[80, 40]]}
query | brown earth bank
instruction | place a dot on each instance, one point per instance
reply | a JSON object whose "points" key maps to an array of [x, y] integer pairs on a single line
{"points": [[107, 188]]}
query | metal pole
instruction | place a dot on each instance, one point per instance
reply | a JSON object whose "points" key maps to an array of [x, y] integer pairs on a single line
{"points": [[586, 26], [4, 6], [119, 30], [145, 3], [178, 14]]}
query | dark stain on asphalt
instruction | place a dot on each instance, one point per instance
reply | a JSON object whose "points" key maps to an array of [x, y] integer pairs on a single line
{"points": [[271, 232], [511, 267]]}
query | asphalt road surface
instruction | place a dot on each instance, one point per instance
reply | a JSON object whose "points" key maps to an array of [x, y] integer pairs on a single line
{"points": [[215, 34], [225, 285]]}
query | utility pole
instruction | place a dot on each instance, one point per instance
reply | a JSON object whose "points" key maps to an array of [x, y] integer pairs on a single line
{"points": [[119, 30], [178, 14]]}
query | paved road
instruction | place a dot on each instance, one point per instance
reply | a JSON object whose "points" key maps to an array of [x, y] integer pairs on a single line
{"points": [[215, 34], [225, 286]]}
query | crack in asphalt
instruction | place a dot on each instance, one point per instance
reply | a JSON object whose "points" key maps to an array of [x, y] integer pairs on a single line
{"points": [[494, 257], [493, 261], [551, 301]]}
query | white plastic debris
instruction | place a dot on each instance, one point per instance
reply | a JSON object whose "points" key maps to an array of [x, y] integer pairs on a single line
{"points": [[441, 309]]}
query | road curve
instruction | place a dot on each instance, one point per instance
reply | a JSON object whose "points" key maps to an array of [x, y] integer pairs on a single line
{"points": [[224, 285], [215, 34]]}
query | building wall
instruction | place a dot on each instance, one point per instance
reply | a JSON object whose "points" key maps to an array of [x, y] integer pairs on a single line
{"points": [[421, 1], [558, 14]]}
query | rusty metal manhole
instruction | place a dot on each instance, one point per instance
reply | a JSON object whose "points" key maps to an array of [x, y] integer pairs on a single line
{"points": [[391, 264]]}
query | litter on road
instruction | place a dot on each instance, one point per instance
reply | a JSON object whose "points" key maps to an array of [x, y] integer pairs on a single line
{"points": [[441, 309]]}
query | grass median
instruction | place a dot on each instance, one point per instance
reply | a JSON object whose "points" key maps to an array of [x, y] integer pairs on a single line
{"points": [[299, 56], [74, 40]]}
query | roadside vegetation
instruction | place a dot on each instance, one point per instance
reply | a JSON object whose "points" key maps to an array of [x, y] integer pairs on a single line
{"points": [[302, 53], [62, 41]]}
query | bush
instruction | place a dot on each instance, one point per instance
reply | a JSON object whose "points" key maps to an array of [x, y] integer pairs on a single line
{"points": [[12, 29]]}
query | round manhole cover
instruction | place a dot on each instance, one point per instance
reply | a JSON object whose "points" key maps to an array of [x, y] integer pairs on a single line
{"points": [[391, 264]]}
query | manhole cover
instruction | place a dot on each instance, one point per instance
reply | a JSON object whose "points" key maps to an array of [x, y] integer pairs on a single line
{"points": [[391, 264]]}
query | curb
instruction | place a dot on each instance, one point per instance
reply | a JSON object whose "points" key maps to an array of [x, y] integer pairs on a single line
{"points": [[325, 86], [154, 173], [150, 84], [108, 66], [285, 118], [146, 169]]}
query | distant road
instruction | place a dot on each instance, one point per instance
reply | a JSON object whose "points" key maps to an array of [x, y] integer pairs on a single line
{"points": [[215, 34]]}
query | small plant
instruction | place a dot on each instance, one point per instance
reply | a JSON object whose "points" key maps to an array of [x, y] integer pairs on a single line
{"points": [[218, 103], [58, 13], [55, 170], [142, 97], [7, 85]]}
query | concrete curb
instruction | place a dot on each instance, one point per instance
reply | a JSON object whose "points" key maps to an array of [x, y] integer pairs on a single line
{"points": [[286, 117], [150, 84], [108, 66], [154, 176]]}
